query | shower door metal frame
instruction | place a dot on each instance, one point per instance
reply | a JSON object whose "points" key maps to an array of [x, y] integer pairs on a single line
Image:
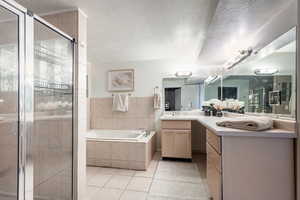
{"points": [[30, 21], [20, 12], [26, 96]]}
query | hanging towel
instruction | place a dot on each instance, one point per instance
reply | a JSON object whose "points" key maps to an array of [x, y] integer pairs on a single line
{"points": [[247, 123], [157, 101], [120, 102]]}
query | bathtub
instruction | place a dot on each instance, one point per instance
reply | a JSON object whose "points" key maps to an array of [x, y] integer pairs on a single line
{"points": [[126, 149], [127, 135]]}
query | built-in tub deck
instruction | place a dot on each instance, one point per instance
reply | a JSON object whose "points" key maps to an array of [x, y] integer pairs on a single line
{"points": [[127, 149]]}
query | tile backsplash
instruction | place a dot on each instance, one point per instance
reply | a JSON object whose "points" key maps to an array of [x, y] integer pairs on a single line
{"points": [[141, 114]]}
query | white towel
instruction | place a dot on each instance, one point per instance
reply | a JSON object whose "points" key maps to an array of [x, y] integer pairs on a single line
{"points": [[247, 123], [120, 102], [157, 101]]}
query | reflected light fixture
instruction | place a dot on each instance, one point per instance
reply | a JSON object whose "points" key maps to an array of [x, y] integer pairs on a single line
{"points": [[242, 55], [211, 79], [266, 72], [183, 74]]}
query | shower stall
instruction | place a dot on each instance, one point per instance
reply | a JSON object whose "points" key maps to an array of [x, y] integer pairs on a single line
{"points": [[36, 107]]}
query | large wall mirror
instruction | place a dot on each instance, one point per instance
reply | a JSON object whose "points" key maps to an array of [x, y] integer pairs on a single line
{"points": [[213, 88], [266, 81], [182, 94]]}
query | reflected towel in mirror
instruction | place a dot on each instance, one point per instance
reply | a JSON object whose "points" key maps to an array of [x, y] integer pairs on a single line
{"points": [[157, 101]]}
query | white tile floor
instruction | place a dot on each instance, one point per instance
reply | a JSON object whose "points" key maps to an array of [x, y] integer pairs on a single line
{"points": [[164, 180]]}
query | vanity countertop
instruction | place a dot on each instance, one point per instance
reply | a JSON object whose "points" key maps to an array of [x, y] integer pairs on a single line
{"points": [[210, 123]]}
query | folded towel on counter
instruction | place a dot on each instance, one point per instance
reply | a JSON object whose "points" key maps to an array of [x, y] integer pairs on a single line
{"points": [[157, 101], [120, 102], [247, 123]]}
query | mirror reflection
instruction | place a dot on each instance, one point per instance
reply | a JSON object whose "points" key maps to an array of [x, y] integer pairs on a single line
{"points": [[212, 88], [182, 94], [266, 82]]}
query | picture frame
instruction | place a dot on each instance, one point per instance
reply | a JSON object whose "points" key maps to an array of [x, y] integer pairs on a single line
{"points": [[121, 80]]}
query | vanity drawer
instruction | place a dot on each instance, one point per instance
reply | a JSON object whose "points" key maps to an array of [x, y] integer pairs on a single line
{"points": [[176, 124], [214, 140], [213, 158]]}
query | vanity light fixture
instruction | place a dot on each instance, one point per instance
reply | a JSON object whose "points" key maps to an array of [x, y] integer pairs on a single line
{"points": [[266, 72], [211, 79], [183, 74], [243, 54]]}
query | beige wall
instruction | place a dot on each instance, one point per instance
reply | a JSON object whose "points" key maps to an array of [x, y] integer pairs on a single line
{"points": [[139, 116]]}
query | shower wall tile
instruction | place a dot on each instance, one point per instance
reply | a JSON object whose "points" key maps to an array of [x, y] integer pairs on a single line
{"points": [[139, 116], [10, 102]]}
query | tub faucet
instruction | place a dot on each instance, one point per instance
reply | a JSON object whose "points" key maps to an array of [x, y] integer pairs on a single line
{"points": [[143, 130]]}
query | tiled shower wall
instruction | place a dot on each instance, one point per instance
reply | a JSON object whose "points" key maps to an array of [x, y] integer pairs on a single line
{"points": [[141, 114], [10, 103]]}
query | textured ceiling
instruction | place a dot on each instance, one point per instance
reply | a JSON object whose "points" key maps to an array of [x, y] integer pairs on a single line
{"points": [[237, 25], [207, 31], [132, 30]]}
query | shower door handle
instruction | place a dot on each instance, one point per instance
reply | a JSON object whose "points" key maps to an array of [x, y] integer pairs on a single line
{"points": [[22, 162], [87, 86]]}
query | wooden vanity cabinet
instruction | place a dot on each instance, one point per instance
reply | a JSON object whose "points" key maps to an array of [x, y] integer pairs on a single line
{"points": [[248, 168], [214, 165], [176, 139]]}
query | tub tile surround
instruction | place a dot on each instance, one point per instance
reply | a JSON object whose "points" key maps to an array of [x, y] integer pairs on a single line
{"points": [[149, 185], [140, 115], [122, 154]]}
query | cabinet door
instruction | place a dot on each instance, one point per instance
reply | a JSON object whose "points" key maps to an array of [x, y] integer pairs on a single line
{"points": [[182, 144], [214, 177], [214, 183], [167, 143]]}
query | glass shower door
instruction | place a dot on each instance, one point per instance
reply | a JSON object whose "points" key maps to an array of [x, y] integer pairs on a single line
{"points": [[36, 107], [9, 104], [52, 148]]}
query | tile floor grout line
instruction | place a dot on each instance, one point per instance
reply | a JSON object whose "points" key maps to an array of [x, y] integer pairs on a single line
{"points": [[199, 168], [108, 180], [152, 178], [125, 189]]}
